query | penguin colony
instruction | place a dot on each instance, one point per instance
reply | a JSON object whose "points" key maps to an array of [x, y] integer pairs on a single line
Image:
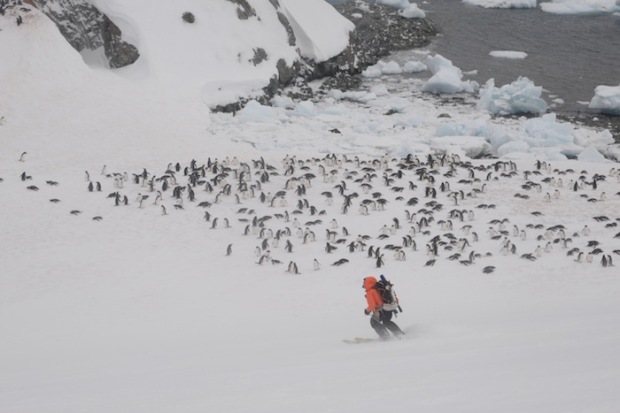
{"points": [[431, 208]]}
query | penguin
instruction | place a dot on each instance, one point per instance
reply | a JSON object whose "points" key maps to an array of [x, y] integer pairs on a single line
{"points": [[316, 265], [229, 250], [22, 157]]}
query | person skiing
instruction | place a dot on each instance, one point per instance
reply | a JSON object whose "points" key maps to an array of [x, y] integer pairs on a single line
{"points": [[381, 320]]}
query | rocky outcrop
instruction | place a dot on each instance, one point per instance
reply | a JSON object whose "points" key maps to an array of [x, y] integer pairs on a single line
{"points": [[378, 31], [85, 27], [244, 10]]}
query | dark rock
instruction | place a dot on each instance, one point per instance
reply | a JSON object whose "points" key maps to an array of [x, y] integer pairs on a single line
{"points": [[379, 31], [289, 30], [85, 27], [188, 17], [244, 10], [260, 55]]}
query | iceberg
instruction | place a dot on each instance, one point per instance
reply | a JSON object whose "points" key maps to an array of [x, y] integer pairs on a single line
{"points": [[446, 78], [606, 100], [519, 97], [412, 11], [382, 68]]}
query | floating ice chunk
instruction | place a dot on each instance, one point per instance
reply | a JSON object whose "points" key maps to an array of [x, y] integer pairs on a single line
{"points": [[414, 67], [255, 112], [508, 54], [503, 4], [446, 78], [521, 96], [382, 68], [579, 6], [591, 154], [606, 99], [412, 11], [470, 146], [391, 68], [397, 4]]}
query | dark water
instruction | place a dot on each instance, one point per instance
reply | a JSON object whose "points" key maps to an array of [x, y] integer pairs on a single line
{"points": [[569, 55]]}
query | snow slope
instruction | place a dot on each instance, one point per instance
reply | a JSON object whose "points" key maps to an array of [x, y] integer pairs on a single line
{"points": [[137, 311]]}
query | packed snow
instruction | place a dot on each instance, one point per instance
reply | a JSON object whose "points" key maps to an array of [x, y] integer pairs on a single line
{"points": [[118, 294]]}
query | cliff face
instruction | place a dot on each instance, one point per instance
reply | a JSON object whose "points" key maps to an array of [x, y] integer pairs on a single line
{"points": [[86, 28]]}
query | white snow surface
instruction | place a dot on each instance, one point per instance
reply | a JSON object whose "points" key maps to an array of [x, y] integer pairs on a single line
{"points": [[108, 308], [321, 31], [606, 99]]}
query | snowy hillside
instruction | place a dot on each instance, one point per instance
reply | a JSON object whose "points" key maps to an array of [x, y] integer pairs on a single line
{"points": [[157, 257]]}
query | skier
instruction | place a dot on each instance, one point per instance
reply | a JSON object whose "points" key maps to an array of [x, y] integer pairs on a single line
{"points": [[380, 321]]}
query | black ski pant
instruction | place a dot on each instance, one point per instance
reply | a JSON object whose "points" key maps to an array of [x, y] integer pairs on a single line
{"points": [[381, 322]]}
